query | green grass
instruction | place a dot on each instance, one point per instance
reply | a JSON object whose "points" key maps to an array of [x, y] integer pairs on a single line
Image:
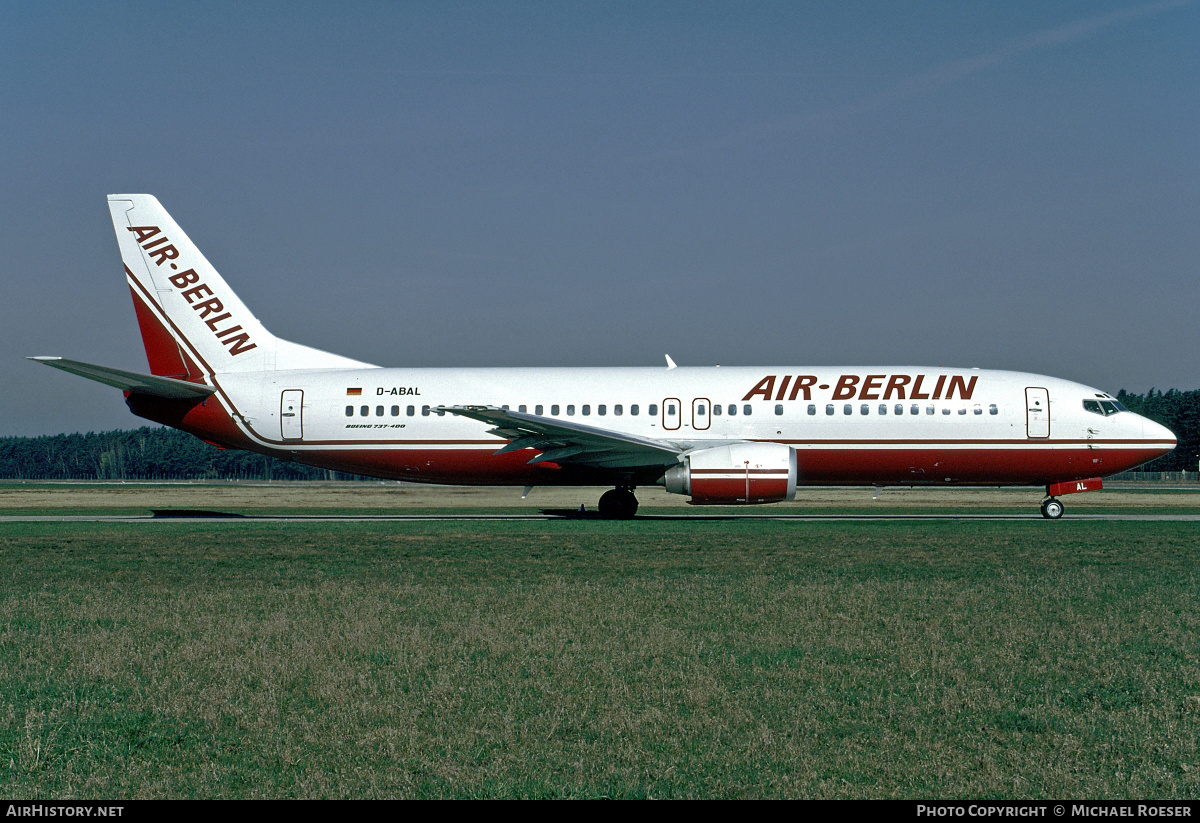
{"points": [[584, 659]]}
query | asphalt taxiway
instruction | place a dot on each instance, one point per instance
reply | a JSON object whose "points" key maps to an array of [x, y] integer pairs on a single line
{"points": [[192, 517]]}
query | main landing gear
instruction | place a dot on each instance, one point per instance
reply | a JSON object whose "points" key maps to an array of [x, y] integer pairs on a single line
{"points": [[618, 504], [1052, 508]]}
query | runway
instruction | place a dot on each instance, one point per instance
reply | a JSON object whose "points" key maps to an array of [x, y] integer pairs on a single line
{"points": [[219, 517]]}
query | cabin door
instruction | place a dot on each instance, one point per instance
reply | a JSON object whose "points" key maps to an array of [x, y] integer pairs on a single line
{"points": [[291, 414], [671, 413], [701, 409], [1037, 412]]}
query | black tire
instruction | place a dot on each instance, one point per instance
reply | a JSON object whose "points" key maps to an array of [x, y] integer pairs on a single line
{"points": [[1052, 509], [618, 504]]}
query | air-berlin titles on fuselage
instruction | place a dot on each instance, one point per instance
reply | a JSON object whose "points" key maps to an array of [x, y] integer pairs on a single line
{"points": [[866, 387], [161, 250]]}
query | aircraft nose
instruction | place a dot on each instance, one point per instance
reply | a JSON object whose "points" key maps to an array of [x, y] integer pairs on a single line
{"points": [[1159, 434]]}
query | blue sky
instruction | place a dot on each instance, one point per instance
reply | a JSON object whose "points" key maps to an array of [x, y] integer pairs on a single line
{"points": [[1003, 185]]}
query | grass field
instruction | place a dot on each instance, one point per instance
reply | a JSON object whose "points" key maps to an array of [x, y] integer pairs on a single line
{"points": [[584, 658]]}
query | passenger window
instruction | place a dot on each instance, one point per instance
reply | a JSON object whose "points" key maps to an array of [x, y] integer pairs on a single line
{"points": [[395, 411], [522, 408], [929, 409], [505, 407], [732, 410], [778, 409], [914, 409], [364, 411], [587, 409], [601, 409], [554, 410], [992, 409], [412, 410], [963, 410], [717, 409], [847, 409], [864, 409], [978, 409], [634, 410], [829, 409], [379, 411], [618, 410], [946, 410], [812, 408], [746, 409], [670, 410], [349, 411], [570, 410], [424, 411], [651, 410], [883, 408], [899, 408], [538, 409]]}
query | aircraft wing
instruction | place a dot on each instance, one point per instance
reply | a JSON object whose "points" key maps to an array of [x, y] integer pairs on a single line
{"points": [[129, 381], [560, 441]]}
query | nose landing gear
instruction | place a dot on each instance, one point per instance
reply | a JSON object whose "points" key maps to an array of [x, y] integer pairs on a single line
{"points": [[1052, 508], [618, 504]]}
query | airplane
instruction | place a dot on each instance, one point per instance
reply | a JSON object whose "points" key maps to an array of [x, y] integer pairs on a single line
{"points": [[736, 436]]}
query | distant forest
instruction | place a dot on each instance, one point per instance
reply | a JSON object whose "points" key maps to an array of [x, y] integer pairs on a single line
{"points": [[143, 454], [166, 454]]}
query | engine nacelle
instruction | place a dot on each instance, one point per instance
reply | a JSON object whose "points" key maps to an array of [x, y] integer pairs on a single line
{"points": [[741, 473]]}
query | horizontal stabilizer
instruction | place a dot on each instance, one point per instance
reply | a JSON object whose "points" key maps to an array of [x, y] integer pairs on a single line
{"points": [[131, 381]]}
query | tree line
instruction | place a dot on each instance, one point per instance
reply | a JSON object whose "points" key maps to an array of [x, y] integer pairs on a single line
{"points": [[142, 454], [167, 454]]}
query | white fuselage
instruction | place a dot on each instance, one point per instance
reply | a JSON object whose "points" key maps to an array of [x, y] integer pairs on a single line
{"points": [[895, 425]]}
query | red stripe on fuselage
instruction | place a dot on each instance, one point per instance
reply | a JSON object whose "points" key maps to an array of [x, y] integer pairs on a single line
{"points": [[1011, 466], [916, 467]]}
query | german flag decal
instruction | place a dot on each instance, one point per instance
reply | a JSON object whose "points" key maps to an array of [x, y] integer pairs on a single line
{"points": [[353, 392]]}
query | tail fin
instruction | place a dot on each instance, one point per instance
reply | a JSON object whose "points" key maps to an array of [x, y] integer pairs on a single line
{"points": [[192, 323]]}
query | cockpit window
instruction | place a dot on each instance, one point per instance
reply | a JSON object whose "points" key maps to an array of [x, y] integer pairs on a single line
{"points": [[1103, 407]]}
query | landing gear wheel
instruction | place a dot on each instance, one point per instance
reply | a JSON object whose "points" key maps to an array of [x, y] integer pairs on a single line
{"points": [[1052, 509], [618, 504]]}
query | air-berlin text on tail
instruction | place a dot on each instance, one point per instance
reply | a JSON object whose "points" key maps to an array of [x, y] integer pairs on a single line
{"points": [[160, 250], [866, 387]]}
